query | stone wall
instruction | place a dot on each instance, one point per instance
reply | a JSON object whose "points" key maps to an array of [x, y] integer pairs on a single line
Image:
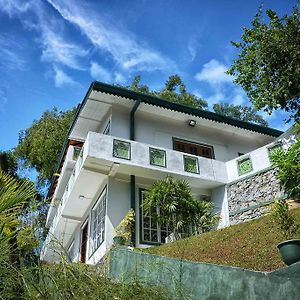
{"points": [[249, 197]]}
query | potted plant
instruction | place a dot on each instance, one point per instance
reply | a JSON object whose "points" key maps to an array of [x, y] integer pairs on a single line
{"points": [[124, 231], [290, 248]]}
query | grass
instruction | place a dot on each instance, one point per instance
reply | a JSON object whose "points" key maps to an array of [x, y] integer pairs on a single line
{"points": [[69, 281], [250, 245]]}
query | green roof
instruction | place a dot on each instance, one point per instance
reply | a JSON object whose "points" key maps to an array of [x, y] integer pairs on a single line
{"points": [[122, 92]]}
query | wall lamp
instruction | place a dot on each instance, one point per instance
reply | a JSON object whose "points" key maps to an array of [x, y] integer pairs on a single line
{"points": [[192, 123]]}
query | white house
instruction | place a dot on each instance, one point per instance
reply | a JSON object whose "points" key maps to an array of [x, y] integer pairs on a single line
{"points": [[120, 143]]}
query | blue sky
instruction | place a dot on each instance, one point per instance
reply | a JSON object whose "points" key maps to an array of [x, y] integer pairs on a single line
{"points": [[50, 51]]}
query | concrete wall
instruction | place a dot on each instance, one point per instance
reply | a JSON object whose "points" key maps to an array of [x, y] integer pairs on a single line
{"points": [[204, 281], [151, 129]]}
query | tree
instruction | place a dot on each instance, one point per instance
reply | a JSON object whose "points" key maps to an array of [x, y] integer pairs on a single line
{"points": [[177, 207], [268, 63], [173, 91], [40, 144], [181, 96], [240, 112]]}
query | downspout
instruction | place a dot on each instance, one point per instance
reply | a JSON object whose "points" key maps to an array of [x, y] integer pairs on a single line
{"points": [[132, 177], [132, 123]]}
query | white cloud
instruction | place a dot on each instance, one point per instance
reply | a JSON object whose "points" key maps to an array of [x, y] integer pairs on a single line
{"points": [[192, 48], [99, 73], [10, 54], [57, 50], [105, 36], [14, 7], [238, 97], [62, 79], [213, 73], [119, 78]]}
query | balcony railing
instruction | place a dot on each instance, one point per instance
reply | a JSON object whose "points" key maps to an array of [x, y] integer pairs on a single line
{"points": [[252, 162]]}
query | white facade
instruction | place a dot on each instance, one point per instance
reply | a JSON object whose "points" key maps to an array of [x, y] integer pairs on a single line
{"points": [[101, 186]]}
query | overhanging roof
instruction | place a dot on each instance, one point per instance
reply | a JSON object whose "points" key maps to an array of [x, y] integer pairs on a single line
{"points": [[125, 93]]}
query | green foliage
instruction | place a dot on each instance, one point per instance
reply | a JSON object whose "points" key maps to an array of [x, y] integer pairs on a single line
{"points": [[40, 144], [249, 245], [178, 208], [288, 163], [126, 227], [173, 91], [268, 65], [8, 162], [284, 219], [68, 281], [240, 112], [182, 96], [13, 194]]}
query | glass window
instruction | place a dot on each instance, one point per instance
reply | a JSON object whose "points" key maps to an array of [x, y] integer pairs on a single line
{"points": [[157, 157], [107, 129], [194, 148], [245, 166], [98, 222], [273, 149], [72, 252], [190, 164], [121, 149], [151, 231]]}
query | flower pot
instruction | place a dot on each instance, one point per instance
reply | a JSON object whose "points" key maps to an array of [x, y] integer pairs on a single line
{"points": [[118, 241], [290, 251]]}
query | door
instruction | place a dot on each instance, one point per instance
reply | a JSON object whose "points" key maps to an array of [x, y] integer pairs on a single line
{"points": [[84, 239]]}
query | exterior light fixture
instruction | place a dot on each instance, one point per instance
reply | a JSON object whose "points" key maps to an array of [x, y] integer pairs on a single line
{"points": [[81, 197], [192, 123]]}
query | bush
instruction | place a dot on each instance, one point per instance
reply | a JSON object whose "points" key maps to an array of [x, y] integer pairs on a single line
{"points": [[288, 163], [284, 219]]}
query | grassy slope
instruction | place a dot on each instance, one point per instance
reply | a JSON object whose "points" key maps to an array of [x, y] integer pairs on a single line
{"points": [[251, 245]]}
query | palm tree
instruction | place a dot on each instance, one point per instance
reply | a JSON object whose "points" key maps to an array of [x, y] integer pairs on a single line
{"points": [[177, 208], [13, 195]]}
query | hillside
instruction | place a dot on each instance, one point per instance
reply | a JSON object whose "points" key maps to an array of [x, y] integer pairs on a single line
{"points": [[251, 245]]}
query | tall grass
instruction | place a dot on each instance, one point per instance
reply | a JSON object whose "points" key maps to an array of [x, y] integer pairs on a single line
{"points": [[66, 281]]}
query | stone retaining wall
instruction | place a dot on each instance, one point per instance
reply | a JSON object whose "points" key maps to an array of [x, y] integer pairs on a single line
{"points": [[248, 198]]}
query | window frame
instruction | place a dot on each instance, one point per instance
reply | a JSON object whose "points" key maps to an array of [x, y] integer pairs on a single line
{"points": [[102, 200], [141, 223], [107, 129], [211, 147]]}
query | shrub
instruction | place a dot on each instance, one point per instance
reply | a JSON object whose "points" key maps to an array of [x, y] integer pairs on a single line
{"points": [[284, 220], [288, 163]]}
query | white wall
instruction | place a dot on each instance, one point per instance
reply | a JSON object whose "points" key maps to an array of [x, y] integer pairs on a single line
{"points": [[259, 159], [159, 131]]}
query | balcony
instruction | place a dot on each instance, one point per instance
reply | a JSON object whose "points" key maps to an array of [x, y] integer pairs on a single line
{"points": [[110, 156], [252, 162]]}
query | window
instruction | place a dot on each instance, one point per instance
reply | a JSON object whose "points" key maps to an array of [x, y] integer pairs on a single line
{"points": [[157, 157], [98, 222], [194, 148], [244, 166], [72, 252], [272, 150], [190, 164], [76, 152], [121, 149], [150, 231], [107, 129]]}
